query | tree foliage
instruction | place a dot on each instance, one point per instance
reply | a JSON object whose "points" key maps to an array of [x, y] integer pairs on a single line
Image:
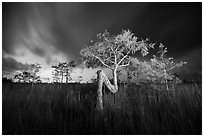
{"points": [[55, 74], [158, 69], [114, 51], [29, 76], [34, 70], [26, 77], [63, 70]]}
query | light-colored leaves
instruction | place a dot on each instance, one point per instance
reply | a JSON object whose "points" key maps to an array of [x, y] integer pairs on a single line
{"points": [[112, 51], [158, 69]]}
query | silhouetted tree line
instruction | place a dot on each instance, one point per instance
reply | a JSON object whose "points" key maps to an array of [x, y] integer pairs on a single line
{"points": [[60, 72], [28, 76], [63, 71]]}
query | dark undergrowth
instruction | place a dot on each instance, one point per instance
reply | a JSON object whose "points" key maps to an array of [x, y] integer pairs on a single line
{"points": [[49, 109]]}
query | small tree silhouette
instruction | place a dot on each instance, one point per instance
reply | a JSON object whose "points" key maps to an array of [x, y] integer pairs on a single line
{"points": [[17, 77], [23, 77], [34, 70], [61, 70], [56, 74], [68, 68]]}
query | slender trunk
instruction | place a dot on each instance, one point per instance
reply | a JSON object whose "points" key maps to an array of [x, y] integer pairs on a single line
{"points": [[62, 78], [102, 78], [66, 76]]}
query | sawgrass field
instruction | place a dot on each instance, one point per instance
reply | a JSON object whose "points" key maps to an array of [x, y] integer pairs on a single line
{"points": [[47, 109]]}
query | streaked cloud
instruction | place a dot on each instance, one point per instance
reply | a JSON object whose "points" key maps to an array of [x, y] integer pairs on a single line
{"points": [[10, 65]]}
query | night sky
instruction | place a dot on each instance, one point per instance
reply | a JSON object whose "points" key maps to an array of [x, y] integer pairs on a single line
{"points": [[48, 33]]}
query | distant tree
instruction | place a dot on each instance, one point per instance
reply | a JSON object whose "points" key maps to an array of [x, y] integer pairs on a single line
{"points": [[34, 70], [23, 77], [68, 68], [55, 74], [17, 77], [63, 69], [28, 76], [112, 52]]}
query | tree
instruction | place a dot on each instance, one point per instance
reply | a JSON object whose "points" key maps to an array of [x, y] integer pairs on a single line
{"points": [[68, 68], [34, 70], [164, 67], [112, 52], [158, 69], [17, 77], [62, 70], [29, 76], [56, 74], [23, 77]]}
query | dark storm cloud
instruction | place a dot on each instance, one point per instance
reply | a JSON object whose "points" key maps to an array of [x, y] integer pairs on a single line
{"points": [[10, 65]]}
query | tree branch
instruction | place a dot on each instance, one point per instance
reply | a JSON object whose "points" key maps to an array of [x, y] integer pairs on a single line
{"points": [[100, 60], [117, 47], [112, 49], [109, 59], [123, 58], [122, 49], [112, 61], [115, 59], [125, 65]]}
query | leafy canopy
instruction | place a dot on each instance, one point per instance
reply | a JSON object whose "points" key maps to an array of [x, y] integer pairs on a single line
{"points": [[114, 51], [158, 69]]}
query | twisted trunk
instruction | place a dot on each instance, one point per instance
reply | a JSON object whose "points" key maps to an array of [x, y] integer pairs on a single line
{"points": [[102, 78]]}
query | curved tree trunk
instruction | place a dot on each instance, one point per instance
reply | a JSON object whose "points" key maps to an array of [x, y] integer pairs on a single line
{"points": [[102, 78]]}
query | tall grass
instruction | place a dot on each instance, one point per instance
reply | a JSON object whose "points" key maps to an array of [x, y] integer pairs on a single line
{"points": [[70, 109]]}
